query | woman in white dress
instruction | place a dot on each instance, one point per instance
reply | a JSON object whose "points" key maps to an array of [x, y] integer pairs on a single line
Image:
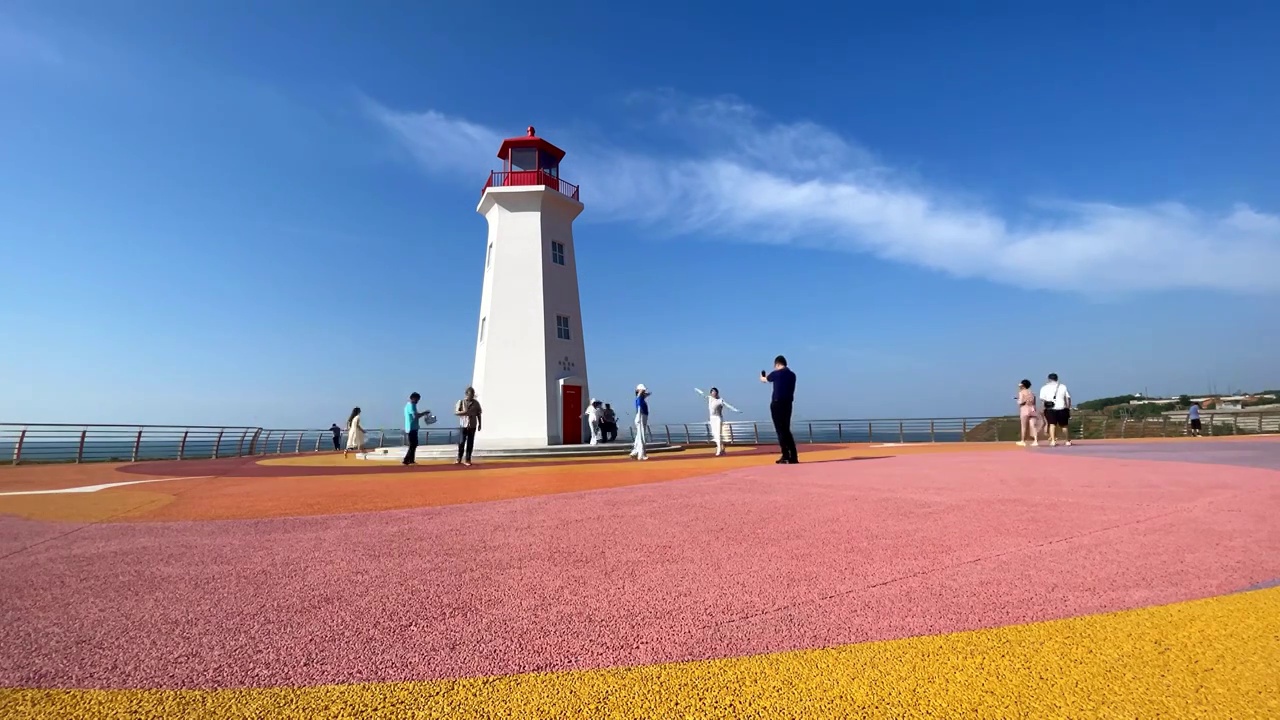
{"points": [[715, 408], [355, 433]]}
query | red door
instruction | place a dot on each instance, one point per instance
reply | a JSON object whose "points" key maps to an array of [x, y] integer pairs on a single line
{"points": [[571, 424]]}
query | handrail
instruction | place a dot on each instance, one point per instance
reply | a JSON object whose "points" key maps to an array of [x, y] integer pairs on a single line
{"points": [[524, 178], [1002, 428], [94, 442], [98, 442]]}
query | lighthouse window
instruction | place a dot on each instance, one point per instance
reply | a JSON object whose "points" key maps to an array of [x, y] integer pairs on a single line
{"points": [[557, 252], [488, 255], [562, 327], [482, 329], [524, 159]]}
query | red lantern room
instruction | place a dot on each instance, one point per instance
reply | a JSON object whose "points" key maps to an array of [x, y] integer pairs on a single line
{"points": [[530, 160]]}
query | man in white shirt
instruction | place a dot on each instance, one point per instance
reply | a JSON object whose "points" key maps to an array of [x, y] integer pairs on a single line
{"points": [[1057, 409]]}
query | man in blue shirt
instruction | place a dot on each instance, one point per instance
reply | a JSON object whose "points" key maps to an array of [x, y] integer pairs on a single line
{"points": [[1193, 419], [784, 394], [411, 416]]}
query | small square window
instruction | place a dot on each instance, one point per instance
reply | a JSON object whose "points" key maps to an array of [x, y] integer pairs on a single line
{"points": [[557, 252], [482, 329], [562, 327]]}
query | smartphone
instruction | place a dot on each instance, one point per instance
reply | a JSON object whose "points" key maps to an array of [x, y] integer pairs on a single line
{"points": [[762, 374]]}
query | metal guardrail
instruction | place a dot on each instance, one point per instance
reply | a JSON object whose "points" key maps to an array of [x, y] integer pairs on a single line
{"points": [[519, 178], [961, 429], [71, 443]]}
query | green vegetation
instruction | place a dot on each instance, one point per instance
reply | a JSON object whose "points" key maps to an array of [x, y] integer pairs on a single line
{"points": [[1106, 402]]}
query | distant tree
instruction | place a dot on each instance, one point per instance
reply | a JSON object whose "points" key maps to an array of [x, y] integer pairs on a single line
{"points": [[1103, 403], [1184, 401]]}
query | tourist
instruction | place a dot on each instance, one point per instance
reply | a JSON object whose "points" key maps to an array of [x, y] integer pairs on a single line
{"points": [[469, 419], [355, 433], [412, 420], [1193, 419], [1057, 409], [595, 417], [337, 435], [784, 395], [1027, 415], [610, 424], [642, 423], [715, 408]]}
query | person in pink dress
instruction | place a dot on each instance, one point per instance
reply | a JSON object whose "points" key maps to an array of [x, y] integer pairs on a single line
{"points": [[1027, 415]]}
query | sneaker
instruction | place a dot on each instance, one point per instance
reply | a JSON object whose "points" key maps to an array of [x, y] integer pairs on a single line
{"points": [[1068, 443], [1020, 444], [467, 463], [1035, 444]]}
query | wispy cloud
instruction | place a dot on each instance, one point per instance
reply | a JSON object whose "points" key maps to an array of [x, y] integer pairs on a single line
{"points": [[19, 45], [735, 174]]}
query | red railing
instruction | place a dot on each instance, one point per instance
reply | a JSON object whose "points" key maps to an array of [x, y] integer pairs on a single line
{"points": [[518, 178]]}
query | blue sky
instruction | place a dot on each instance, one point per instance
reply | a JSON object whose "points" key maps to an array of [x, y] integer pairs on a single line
{"points": [[264, 212]]}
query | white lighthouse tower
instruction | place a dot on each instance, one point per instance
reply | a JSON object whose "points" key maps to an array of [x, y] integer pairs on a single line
{"points": [[531, 363]]}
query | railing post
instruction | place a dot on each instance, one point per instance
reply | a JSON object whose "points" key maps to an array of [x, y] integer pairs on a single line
{"points": [[244, 435], [17, 449], [667, 429], [137, 443], [756, 427], [298, 447], [182, 446], [901, 435], [932, 437], [1124, 426], [840, 431], [80, 452], [870, 437], [1235, 424], [319, 437], [964, 429], [687, 439], [1164, 427], [280, 442], [217, 444], [382, 438], [810, 433], [996, 422]]}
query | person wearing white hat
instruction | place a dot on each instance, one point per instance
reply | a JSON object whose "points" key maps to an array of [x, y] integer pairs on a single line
{"points": [[642, 423], [594, 413]]}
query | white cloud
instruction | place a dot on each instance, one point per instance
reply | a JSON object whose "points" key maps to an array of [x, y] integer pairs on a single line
{"points": [[738, 176]]}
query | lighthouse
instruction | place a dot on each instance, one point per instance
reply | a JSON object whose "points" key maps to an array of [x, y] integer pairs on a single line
{"points": [[531, 363]]}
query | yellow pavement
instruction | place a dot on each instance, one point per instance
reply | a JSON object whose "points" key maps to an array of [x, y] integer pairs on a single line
{"points": [[1214, 658]]}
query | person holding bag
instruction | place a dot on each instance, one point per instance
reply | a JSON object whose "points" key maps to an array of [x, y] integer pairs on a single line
{"points": [[1057, 409]]}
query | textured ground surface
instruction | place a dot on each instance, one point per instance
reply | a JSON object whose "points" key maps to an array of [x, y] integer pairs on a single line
{"points": [[959, 580]]}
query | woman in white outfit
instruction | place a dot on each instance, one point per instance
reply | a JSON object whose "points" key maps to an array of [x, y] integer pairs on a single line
{"points": [[715, 408], [642, 423], [594, 415], [355, 433]]}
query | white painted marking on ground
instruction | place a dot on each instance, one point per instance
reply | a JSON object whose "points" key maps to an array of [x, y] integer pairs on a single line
{"points": [[96, 488], [890, 445]]}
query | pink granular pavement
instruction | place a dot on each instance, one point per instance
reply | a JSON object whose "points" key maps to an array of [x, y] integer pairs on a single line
{"points": [[747, 561]]}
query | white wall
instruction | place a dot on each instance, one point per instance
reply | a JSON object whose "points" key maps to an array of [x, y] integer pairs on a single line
{"points": [[518, 363]]}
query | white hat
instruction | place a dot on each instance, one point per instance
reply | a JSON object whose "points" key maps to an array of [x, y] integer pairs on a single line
{"points": [[641, 388]]}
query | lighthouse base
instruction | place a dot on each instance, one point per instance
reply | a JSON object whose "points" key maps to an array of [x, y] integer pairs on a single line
{"points": [[449, 452]]}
